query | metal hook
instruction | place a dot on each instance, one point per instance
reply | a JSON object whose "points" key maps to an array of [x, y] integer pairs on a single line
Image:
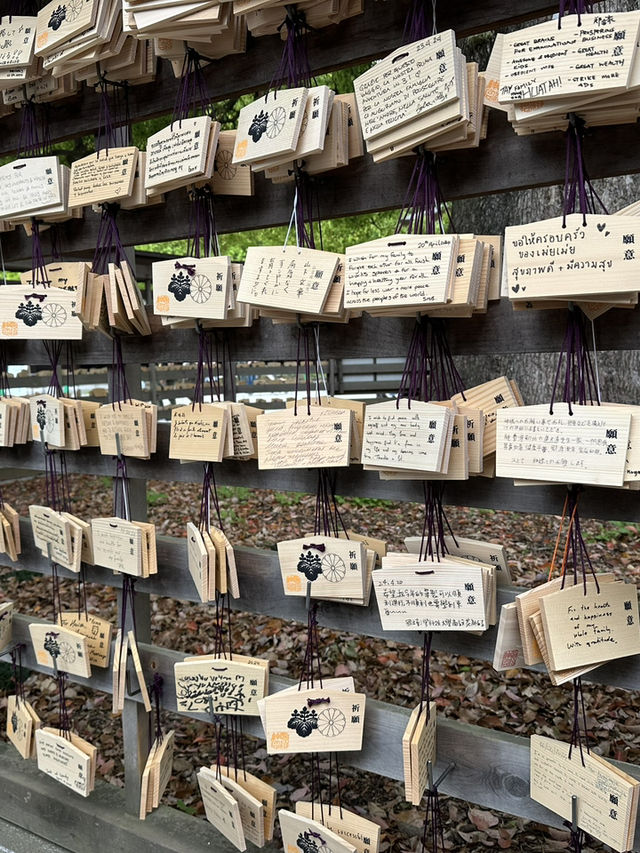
{"points": [[574, 813], [433, 786], [118, 447], [307, 602], [127, 681], [49, 552]]}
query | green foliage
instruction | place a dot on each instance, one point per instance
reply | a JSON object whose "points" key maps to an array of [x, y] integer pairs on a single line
{"points": [[226, 493], [155, 498], [23, 575], [373, 503], [288, 498], [106, 482], [612, 531], [183, 807]]}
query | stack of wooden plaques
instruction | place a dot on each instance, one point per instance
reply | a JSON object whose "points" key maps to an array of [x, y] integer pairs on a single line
{"points": [[476, 550], [126, 646], [60, 649], [450, 594], [113, 301], [450, 275], [446, 112], [226, 684], [314, 437], [326, 567], [41, 89], [97, 631], [35, 186], [222, 41], [237, 314], [573, 444], [156, 774], [270, 128], [305, 833], [15, 413], [17, 61], [105, 176], [135, 63], [68, 758], [6, 624], [342, 143], [350, 827], [588, 65], [607, 798], [181, 154], [58, 535], [64, 423], [125, 546], [573, 628], [127, 428], [212, 563], [211, 432], [418, 748], [10, 531], [265, 17], [22, 725], [192, 287]]}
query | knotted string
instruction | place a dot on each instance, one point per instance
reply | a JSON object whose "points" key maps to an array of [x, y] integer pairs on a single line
{"points": [[580, 384], [192, 97], [5, 385], [574, 7], [64, 717], [202, 236], [579, 731], [420, 22], [208, 498], [424, 209], [109, 248], [311, 660], [39, 273], [306, 343], [155, 694], [307, 213], [35, 137], [17, 675], [294, 69], [429, 371], [54, 353], [119, 385], [579, 193], [328, 520], [205, 369], [114, 121], [433, 827], [576, 560]]}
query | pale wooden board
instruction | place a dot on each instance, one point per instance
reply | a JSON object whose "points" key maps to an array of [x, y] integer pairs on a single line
{"points": [[429, 596], [64, 761], [128, 422], [335, 569], [411, 436], [286, 277], [47, 419], [262, 791], [251, 809], [400, 271], [556, 677], [38, 315], [555, 778], [97, 631], [509, 653], [220, 807], [19, 729], [547, 61], [192, 287], [587, 446], [6, 624], [492, 553], [407, 84], [177, 154], [198, 561], [422, 749], [317, 440], [230, 178], [336, 724], [299, 833], [18, 33], [117, 545], [593, 627], [488, 398], [51, 531], [104, 176], [234, 686], [70, 648], [270, 126], [545, 260], [198, 432], [137, 665], [31, 185]]}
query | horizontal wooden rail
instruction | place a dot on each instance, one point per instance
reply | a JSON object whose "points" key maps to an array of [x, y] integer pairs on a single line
{"points": [[501, 331], [483, 492], [261, 592], [492, 768], [375, 33]]}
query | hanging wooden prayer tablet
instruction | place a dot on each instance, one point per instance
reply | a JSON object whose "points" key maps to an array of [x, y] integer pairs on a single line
{"points": [[335, 568], [500, 393], [6, 624], [58, 22], [607, 797], [430, 596], [102, 177], [263, 792], [31, 186], [179, 154], [162, 767], [192, 287], [471, 549], [320, 439], [86, 553], [18, 33], [198, 561], [401, 271], [577, 444], [303, 833], [286, 277], [316, 720], [230, 178], [587, 54], [64, 761], [60, 649], [117, 545], [37, 314], [418, 748], [47, 419], [509, 653], [590, 626], [251, 809], [119, 671], [584, 256], [270, 126], [221, 808], [96, 630], [233, 686], [20, 725], [128, 422], [52, 534], [351, 827], [411, 435], [198, 432]]}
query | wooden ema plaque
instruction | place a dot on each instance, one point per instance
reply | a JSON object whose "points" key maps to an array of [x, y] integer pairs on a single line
{"points": [[97, 631], [198, 432], [333, 567], [51, 532], [587, 444], [60, 648], [607, 797], [30, 185], [18, 33], [181, 153], [316, 720], [320, 439], [418, 748], [38, 314], [509, 652], [270, 126], [477, 550], [102, 177], [192, 287], [233, 685], [302, 833], [118, 545], [64, 760], [363, 834], [221, 808], [6, 624], [263, 792], [22, 723], [128, 421], [250, 809]]}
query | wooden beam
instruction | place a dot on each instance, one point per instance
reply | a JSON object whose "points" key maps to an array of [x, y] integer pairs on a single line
{"points": [[368, 36]]}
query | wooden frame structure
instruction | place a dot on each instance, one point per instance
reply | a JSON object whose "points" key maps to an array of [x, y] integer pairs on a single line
{"points": [[492, 768]]}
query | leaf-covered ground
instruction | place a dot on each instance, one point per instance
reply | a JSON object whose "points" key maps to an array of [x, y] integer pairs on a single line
{"points": [[518, 702]]}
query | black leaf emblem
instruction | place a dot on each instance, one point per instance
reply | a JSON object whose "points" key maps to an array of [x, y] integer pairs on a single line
{"points": [[29, 313], [303, 722], [310, 565], [180, 286], [258, 125]]}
